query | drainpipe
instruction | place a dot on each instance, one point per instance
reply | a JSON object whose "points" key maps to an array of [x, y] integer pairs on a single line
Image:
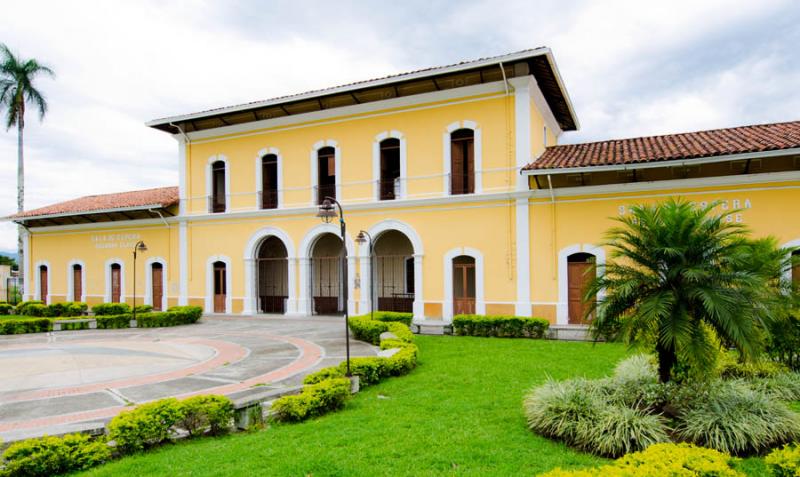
{"points": [[156, 211], [553, 235], [505, 80]]}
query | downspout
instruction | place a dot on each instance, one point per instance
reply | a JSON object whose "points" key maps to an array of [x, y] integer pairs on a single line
{"points": [[510, 256], [553, 235], [156, 211]]}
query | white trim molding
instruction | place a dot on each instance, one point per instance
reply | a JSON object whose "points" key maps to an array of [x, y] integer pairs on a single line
{"points": [[148, 281], [337, 157], [259, 172], [364, 261], [480, 304], [209, 298], [522, 307], [182, 193], [107, 270], [209, 180], [37, 273], [376, 162], [28, 271], [183, 263], [251, 266], [477, 145], [71, 280], [562, 308], [304, 300]]}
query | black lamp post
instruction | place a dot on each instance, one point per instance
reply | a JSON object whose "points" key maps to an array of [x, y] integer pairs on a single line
{"points": [[327, 212], [139, 247], [361, 239]]}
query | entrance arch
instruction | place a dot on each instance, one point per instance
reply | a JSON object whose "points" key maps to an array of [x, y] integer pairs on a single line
{"points": [[461, 264], [155, 283], [305, 302], [574, 254], [219, 289], [279, 258], [580, 268], [412, 263]]}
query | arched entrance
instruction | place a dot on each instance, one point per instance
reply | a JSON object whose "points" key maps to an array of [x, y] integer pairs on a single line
{"points": [[44, 283], [327, 278], [272, 277], [116, 282], [220, 281], [580, 271], [393, 283], [464, 285], [157, 285]]}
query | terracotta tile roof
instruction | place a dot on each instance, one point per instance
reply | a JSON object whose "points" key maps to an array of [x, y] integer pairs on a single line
{"points": [[692, 145], [161, 197]]}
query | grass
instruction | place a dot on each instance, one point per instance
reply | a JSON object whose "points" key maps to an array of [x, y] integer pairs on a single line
{"points": [[458, 413]]}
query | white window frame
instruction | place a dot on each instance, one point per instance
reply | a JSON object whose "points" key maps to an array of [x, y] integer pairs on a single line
{"points": [[337, 157], [259, 172], [480, 303], [121, 263], [376, 163], [562, 308], [148, 282], [210, 182], [37, 268], [71, 281], [209, 302], [477, 145]]}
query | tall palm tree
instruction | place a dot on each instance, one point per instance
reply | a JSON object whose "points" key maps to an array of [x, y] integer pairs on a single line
{"points": [[682, 279], [17, 89]]}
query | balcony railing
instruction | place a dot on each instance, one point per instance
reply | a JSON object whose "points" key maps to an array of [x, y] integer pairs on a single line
{"points": [[325, 190], [389, 189], [268, 199], [216, 204]]}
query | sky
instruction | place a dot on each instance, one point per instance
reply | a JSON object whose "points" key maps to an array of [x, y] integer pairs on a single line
{"points": [[631, 68]]}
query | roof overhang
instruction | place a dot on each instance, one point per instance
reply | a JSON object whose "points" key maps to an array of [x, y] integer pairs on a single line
{"points": [[92, 216], [540, 63]]}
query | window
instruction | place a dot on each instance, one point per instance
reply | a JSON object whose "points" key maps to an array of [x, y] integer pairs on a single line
{"points": [[116, 282], [77, 282], [217, 199], [43, 284], [390, 169], [269, 181], [326, 173], [462, 162]]}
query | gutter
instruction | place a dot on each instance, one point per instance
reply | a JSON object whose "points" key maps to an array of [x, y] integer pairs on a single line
{"points": [[85, 212]]}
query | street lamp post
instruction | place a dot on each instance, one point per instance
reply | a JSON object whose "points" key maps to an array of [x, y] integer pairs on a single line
{"points": [[362, 238], [139, 247], [327, 212]]}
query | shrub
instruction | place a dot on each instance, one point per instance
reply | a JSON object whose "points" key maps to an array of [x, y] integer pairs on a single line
{"points": [[323, 374], [113, 321], [143, 308], [783, 386], [48, 456], [784, 462], [206, 413], [193, 313], [30, 325], [174, 317], [35, 309], [20, 308], [314, 400], [784, 339], [6, 308], [74, 308], [105, 309], [393, 316], [737, 420], [501, 326], [728, 367], [145, 426]]}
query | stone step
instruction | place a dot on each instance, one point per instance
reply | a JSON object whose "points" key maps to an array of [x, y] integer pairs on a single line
{"points": [[432, 327], [569, 333]]}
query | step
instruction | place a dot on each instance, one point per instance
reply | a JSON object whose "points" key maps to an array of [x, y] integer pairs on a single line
{"points": [[432, 327], [569, 333]]}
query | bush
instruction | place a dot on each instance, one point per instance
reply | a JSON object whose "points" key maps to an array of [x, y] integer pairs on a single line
{"points": [[173, 317], [729, 367], [145, 426], [105, 309], [783, 386], [683, 460], [501, 326], [143, 308], [34, 309], [74, 308], [21, 306], [784, 339], [784, 462], [48, 456], [30, 325], [206, 413], [393, 316], [193, 313], [314, 400], [324, 374], [737, 420], [6, 308], [113, 321]]}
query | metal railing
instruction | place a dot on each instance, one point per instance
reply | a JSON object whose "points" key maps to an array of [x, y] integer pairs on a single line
{"points": [[268, 199], [325, 190]]}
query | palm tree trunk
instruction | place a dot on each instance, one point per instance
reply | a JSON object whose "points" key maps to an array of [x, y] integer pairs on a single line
{"points": [[21, 197], [666, 360]]}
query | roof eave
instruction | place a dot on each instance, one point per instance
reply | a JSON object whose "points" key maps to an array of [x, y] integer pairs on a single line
{"points": [[86, 212]]}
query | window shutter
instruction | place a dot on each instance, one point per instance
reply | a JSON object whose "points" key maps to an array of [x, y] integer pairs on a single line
{"points": [[456, 167], [470, 165]]}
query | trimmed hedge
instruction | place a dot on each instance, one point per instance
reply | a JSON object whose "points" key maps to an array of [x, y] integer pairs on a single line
{"points": [[206, 413], [67, 309], [105, 309], [315, 400], [6, 308], [393, 316], [48, 456], [21, 306], [784, 462], [113, 321], [29, 325], [184, 315], [500, 326], [145, 426]]}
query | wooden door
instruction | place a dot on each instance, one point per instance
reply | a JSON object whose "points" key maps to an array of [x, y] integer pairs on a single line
{"points": [[464, 288], [579, 274], [77, 282], [116, 283], [220, 287], [157, 280], [43, 284]]}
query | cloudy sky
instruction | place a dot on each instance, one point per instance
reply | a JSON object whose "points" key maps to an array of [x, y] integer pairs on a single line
{"points": [[631, 67]]}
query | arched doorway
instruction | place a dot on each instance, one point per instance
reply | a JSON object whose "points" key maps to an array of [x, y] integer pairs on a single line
{"points": [[157, 285], [393, 280], [327, 280], [580, 271], [77, 282], [272, 277], [220, 286], [43, 284], [464, 286], [116, 282]]}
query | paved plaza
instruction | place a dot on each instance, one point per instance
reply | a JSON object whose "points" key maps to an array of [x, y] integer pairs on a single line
{"points": [[63, 381]]}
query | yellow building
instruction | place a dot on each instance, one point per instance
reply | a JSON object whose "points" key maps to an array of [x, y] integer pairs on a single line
{"points": [[454, 174]]}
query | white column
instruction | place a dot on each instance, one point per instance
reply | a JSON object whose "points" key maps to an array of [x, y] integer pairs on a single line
{"points": [[522, 125], [182, 196], [292, 303], [351, 285], [304, 301], [419, 301], [249, 287], [366, 281], [183, 263], [28, 275], [523, 243]]}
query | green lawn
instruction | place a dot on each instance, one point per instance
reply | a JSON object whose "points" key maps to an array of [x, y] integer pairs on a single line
{"points": [[458, 413]]}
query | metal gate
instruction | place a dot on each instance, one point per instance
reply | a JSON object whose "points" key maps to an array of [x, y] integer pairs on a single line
{"points": [[394, 282], [272, 284], [326, 285]]}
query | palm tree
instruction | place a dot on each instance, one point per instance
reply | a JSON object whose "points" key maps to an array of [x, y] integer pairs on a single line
{"points": [[17, 89], [682, 279]]}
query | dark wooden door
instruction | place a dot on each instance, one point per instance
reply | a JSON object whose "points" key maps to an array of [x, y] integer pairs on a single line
{"points": [[77, 282], [116, 283], [220, 287], [158, 285], [463, 288], [43, 284], [579, 274]]}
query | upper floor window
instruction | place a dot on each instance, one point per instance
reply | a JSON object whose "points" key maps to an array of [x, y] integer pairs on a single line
{"points": [[269, 181], [462, 161], [218, 192], [390, 169], [326, 173]]}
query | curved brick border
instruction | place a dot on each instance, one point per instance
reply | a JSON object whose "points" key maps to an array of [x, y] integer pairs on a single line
{"points": [[310, 355]]}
